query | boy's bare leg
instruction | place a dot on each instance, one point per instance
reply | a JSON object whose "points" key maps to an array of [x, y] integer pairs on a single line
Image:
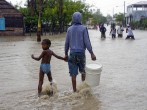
{"points": [[73, 78], [83, 76], [49, 75], [41, 77]]}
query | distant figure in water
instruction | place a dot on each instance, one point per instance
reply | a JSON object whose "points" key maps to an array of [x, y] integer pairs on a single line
{"points": [[120, 31], [45, 67], [113, 32], [130, 33], [77, 40], [103, 31]]}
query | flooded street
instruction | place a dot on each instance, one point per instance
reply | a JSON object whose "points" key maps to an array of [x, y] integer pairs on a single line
{"points": [[123, 84]]}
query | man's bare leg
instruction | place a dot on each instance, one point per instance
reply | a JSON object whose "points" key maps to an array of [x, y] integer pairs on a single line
{"points": [[74, 83], [83, 76]]}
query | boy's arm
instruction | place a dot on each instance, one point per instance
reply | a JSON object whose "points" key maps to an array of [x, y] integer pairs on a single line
{"points": [[38, 58], [59, 57]]}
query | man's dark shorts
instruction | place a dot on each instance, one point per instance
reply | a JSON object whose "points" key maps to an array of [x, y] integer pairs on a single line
{"points": [[119, 35], [76, 61]]}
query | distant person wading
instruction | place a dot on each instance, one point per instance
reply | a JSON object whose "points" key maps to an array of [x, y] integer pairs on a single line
{"points": [[103, 31], [130, 33], [120, 31]]}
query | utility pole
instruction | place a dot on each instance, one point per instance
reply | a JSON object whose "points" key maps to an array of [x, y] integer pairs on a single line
{"points": [[39, 22], [113, 12], [124, 13], [60, 15]]}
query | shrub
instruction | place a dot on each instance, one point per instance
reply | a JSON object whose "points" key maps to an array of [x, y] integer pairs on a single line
{"points": [[145, 23]]}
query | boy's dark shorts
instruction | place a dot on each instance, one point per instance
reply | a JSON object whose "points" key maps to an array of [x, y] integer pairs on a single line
{"points": [[76, 61]]}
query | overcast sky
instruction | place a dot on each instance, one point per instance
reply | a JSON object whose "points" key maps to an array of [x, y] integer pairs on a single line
{"points": [[105, 6]]}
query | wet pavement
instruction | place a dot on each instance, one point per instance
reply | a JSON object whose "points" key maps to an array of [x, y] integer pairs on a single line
{"points": [[123, 84]]}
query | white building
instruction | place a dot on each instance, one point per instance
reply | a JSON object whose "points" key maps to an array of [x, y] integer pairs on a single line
{"points": [[136, 11]]}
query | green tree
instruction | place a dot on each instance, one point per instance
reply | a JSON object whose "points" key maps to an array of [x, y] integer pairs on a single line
{"points": [[109, 18], [98, 18], [119, 17], [58, 12], [86, 13], [24, 11]]}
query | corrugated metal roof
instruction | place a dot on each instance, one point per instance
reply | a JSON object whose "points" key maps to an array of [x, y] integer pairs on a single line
{"points": [[141, 3], [5, 5]]}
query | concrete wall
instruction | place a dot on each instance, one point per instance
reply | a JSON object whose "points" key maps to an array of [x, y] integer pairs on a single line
{"points": [[12, 32]]}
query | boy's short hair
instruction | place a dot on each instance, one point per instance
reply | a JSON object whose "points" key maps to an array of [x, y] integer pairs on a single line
{"points": [[47, 41]]}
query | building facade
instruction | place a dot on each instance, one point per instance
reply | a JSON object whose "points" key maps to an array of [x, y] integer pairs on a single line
{"points": [[135, 12], [11, 20]]}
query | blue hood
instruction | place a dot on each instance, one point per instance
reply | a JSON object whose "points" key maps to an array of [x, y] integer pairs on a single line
{"points": [[77, 37], [77, 18]]}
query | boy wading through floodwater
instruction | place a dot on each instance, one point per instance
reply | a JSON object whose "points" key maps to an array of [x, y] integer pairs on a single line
{"points": [[77, 40], [45, 66], [113, 32]]}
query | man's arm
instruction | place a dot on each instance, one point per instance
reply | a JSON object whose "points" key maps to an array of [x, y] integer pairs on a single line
{"points": [[87, 41], [38, 58], [66, 46], [105, 29], [88, 44], [67, 43]]}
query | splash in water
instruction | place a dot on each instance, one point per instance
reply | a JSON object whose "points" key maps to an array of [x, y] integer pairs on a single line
{"points": [[83, 91], [48, 90]]}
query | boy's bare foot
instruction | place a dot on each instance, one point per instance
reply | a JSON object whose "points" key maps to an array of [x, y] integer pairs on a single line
{"points": [[50, 93], [39, 94], [51, 90]]}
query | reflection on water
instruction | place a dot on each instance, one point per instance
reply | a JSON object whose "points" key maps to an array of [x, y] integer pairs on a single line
{"points": [[123, 79]]}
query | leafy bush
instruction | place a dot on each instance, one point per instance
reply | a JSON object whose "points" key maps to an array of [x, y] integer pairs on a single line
{"points": [[139, 24], [145, 23]]}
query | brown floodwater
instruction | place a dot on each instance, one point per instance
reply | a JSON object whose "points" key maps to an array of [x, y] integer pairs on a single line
{"points": [[123, 84]]}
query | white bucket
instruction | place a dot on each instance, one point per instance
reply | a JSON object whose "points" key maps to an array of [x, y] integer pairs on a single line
{"points": [[93, 72]]}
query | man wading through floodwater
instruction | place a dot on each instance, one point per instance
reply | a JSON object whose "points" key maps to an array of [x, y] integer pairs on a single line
{"points": [[77, 40]]}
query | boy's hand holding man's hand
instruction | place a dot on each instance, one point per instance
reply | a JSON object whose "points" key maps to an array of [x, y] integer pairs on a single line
{"points": [[66, 58], [32, 56]]}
